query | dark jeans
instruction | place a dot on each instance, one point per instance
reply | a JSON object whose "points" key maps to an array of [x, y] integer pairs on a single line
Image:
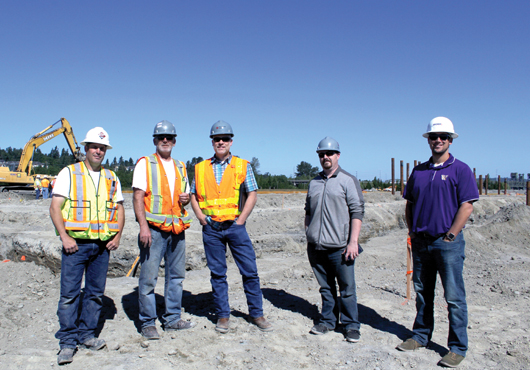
{"points": [[92, 258], [446, 258], [243, 252], [329, 266], [171, 247]]}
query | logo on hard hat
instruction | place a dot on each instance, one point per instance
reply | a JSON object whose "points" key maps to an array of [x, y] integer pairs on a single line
{"points": [[437, 124], [102, 135]]}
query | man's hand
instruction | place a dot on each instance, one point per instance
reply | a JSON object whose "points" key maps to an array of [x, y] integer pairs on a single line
{"points": [[114, 243], [351, 252], [145, 236], [184, 198], [69, 244]]}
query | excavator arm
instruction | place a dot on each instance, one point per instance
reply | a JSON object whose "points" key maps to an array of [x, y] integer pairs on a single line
{"points": [[26, 159]]}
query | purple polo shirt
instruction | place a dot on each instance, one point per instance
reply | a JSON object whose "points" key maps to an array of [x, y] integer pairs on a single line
{"points": [[436, 193]]}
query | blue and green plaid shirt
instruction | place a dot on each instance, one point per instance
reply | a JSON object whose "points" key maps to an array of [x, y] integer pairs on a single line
{"points": [[219, 167]]}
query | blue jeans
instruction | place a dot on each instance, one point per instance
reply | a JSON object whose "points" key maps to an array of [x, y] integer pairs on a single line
{"points": [[44, 193], [447, 259], [37, 194], [171, 247], [329, 265], [243, 252], [92, 259]]}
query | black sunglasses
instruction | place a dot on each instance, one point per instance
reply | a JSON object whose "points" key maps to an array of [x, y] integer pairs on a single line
{"points": [[167, 137], [329, 154], [226, 139], [443, 137]]}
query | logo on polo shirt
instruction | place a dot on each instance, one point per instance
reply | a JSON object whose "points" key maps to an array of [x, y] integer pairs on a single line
{"points": [[444, 177]]}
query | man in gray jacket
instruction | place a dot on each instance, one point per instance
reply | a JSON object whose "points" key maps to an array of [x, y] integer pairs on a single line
{"points": [[334, 212]]}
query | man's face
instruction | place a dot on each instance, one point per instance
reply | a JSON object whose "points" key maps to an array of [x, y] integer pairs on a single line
{"points": [[439, 142], [95, 154], [329, 159], [164, 143], [221, 145]]}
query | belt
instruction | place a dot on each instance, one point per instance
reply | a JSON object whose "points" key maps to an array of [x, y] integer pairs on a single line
{"points": [[219, 225]]}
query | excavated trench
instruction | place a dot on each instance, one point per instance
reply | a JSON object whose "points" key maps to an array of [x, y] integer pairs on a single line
{"points": [[276, 225]]}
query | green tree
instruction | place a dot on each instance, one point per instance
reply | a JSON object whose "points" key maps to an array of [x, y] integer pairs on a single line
{"points": [[254, 163], [190, 166], [305, 170]]}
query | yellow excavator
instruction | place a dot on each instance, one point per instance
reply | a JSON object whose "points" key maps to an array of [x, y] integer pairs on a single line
{"points": [[22, 178]]}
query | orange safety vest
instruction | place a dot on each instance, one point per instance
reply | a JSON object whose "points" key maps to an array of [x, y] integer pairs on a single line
{"points": [[220, 202], [160, 210]]}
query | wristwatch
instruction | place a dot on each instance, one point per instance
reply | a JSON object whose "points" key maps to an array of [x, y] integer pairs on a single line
{"points": [[450, 236]]}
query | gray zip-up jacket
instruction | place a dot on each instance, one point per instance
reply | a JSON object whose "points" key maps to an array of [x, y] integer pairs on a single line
{"points": [[331, 204]]}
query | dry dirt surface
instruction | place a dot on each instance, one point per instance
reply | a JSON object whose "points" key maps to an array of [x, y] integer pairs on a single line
{"points": [[496, 275]]}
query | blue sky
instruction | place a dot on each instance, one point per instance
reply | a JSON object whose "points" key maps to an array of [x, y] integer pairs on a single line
{"points": [[284, 74]]}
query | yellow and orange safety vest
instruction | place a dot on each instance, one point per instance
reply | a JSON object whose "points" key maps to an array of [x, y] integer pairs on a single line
{"points": [[91, 213], [160, 210], [220, 202]]}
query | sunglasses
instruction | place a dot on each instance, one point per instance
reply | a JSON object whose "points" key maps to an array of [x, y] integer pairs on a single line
{"points": [[167, 137], [329, 154], [225, 139], [443, 137]]}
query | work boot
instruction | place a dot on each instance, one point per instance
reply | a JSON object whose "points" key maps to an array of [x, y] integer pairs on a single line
{"points": [[180, 325], [262, 323], [150, 332], [409, 345], [65, 356], [451, 359], [94, 344], [222, 325]]}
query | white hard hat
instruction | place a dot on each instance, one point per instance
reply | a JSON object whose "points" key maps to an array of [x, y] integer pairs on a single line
{"points": [[97, 135], [441, 124]]}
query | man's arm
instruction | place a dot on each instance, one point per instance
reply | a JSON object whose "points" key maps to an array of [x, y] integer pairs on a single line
{"points": [[247, 209], [69, 243], [197, 210], [114, 243], [464, 211], [139, 212], [352, 249]]}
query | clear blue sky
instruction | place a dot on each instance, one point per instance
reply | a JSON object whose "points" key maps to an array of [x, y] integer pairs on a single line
{"points": [[284, 74]]}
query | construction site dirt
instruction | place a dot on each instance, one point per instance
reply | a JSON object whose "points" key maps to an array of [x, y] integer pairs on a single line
{"points": [[496, 274]]}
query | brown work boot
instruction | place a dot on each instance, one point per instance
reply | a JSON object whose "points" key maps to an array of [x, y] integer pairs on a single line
{"points": [[409, 345], [222, 325], [262, 323], [451, 359]]}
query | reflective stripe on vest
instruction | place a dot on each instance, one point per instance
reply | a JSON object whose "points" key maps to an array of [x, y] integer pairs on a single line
{"points": [[158, 197], [91, 214], [220, 201]]}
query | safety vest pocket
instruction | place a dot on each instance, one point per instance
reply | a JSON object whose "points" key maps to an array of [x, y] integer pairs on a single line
{"points": [[112, 210], [79, 210]]}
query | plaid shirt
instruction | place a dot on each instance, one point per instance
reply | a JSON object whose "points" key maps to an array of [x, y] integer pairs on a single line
{"points": [[219, 167]]}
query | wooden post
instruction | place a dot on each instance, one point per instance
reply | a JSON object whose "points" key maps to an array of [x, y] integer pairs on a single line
{"points": [[480, 185], [499, 185], [486, 185], [393, 178], [401, 182], [505, 187], [408, 171], [528, 193], [415, 163]]}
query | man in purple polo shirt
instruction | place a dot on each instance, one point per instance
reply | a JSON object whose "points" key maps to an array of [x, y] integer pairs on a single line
{"points": [[440, 195]]}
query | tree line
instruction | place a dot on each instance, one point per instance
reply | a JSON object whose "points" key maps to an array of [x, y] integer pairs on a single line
{"points": [[53, 162]]}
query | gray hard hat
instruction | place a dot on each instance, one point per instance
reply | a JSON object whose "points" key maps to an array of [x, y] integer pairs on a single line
{"points": [[328, 143], [164, 128], [221, 128]]}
